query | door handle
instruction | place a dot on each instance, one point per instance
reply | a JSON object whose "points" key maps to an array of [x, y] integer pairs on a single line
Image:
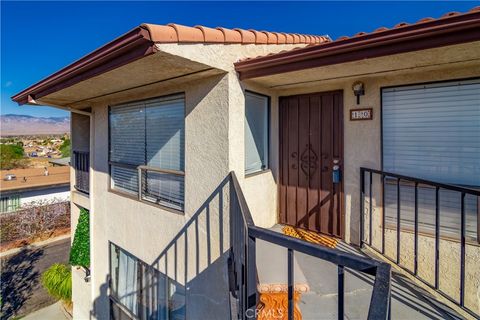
{"points": [[336, 174]]}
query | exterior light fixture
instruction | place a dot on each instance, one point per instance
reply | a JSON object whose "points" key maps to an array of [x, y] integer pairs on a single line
{"points": [[358, 90]]}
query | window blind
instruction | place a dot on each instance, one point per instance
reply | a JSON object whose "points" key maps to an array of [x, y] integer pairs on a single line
{"points": [[143, 290], [151, 133], [256, 132], [432, 131]]}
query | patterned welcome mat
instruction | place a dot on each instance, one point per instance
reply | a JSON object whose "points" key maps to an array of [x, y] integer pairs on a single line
{"points": [[310, 236]]}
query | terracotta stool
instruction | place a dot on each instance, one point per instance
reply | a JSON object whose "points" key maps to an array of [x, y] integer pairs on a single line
{"points": [[272, 283], [273, 304]]}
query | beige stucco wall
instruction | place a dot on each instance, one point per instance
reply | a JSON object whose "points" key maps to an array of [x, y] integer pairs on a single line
{"points": [[362, 139], [214, 142], [214, 118], [362, 148], [145, 230]]}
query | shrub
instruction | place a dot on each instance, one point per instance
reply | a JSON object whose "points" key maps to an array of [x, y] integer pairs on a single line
{"points": [[11, 156], [80, 251], [34, 220], [65, 148], [57, 280]]}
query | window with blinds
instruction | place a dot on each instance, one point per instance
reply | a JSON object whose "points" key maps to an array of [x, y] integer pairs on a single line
{"points": [[432, 131], [147, 140], [256, 132]]}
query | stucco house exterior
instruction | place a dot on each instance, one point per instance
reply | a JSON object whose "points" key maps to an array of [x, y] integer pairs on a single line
{"points": [[372, 139]]}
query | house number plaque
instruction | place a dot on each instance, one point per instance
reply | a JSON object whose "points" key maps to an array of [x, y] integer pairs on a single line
{"points": [[361, 114]]}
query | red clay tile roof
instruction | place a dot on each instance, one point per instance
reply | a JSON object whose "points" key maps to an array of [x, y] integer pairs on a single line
{"points": [[450, 28], [140, 42], [404, 24], [198, 34]]}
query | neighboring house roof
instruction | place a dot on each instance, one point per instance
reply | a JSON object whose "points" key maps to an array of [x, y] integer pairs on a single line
{"points": [[451, 28], [60, 162], [140, 42], [35, 178]]}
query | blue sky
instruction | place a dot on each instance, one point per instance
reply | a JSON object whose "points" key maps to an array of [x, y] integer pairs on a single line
{"points": [[38, 38]]}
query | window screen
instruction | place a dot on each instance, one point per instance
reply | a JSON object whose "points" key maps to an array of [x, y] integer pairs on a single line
{"points": [[150, 134], [432, 131], [256, 132]]}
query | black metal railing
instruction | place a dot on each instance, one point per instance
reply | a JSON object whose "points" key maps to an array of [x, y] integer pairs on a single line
{"points": [[162, 186], [243, 271], [81, 164], [400, 198]]}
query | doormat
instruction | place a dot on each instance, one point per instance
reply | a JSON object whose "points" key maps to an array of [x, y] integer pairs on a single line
{"points": [[310, 236]]}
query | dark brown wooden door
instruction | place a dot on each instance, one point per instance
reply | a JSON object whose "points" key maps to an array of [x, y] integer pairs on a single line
{"points": [[311, 143]]}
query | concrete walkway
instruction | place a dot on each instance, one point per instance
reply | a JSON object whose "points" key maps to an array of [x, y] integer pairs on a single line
{"points": [[52, 312], [321, 302]]}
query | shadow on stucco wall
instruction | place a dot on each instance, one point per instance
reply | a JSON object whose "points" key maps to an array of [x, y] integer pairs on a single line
{"points": [[196, 258]]}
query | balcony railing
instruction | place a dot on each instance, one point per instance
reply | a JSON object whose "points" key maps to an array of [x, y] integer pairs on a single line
{"points": [[415, 209], [81, 164], [161, 186], [243, 267]]}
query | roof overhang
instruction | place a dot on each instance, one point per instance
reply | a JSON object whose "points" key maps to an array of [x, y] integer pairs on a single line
{"points": [[127, 48], [405, 38], [137, 44]]}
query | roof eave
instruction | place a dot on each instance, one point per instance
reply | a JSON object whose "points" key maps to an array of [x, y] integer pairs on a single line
{"points": [[426, 35], [127, 48]]}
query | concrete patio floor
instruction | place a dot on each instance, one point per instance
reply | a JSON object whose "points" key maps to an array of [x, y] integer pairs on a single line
{"points": [[408, 300]]}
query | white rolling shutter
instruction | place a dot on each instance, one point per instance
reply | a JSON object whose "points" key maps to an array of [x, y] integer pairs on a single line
{"points": [[432, 131]]}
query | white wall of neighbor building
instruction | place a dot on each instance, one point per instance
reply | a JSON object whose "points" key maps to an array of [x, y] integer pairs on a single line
{"points": [[57, 194]]}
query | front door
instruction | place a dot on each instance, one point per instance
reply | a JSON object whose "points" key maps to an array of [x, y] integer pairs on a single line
{"points": [[311, 149]]}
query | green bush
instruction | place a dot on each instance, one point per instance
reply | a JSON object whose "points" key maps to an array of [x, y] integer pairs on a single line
{"points": [[57, 280], [80, 251], [10, 155], [65, 148]]}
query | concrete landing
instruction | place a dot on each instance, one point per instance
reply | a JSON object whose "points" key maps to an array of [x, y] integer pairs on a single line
{"points": [[321, 302]]}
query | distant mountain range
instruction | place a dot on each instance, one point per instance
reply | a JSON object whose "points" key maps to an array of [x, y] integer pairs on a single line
{"points": [[16, 124]]}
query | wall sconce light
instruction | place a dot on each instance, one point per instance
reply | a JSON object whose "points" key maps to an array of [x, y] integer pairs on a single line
{"points": [[358, 90]]}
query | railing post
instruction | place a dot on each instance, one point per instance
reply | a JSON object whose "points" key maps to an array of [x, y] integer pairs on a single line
{"points": [[341, 292], [462, 253], [290, 284], [362, 205], [415, 262], [370, 209], [139, 178], [398, 221], [251, 272], [383, 213], [437, 235]]}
